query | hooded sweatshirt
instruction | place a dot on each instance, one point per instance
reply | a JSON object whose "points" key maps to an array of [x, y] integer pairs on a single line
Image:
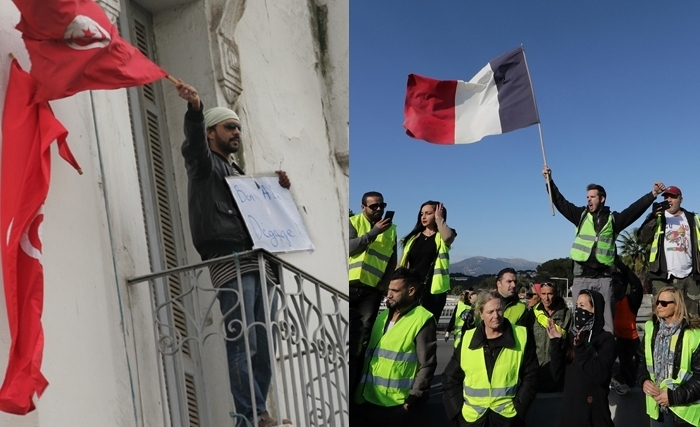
{"points": [[587, 376]]}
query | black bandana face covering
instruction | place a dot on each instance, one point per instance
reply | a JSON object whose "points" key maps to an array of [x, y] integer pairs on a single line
{"points": [[583, 318]]}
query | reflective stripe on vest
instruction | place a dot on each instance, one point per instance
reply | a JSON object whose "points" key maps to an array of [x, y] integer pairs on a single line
{"points": [[391, 362], [369, 266], [543, 319], [461, 307], [586, 238], [479, 393], [441, 273], [659, 233], [690, 413]]}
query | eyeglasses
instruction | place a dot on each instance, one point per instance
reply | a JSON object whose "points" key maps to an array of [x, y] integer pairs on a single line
{"points": [[529, 295], [377, 206], [233, 126], [664, 303]]}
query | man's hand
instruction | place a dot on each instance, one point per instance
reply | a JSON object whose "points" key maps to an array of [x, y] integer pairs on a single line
{"points": [[189, 94], [284, 179], [659, 188], [552, 331], [383, 225], [662, 397], [650, 389], [578, 338], [546, 173], [405, 407]]}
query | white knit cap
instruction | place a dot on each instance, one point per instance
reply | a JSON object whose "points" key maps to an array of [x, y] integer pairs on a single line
{"points": [[216, 115]]}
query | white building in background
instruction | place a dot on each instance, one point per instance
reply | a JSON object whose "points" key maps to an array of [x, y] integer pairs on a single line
{"points": [[283, 65]]}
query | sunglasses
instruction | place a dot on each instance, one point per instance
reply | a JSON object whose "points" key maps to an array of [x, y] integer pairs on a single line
{"points": [[233, 126], [664, 303], [377, 206], [528, 295]]}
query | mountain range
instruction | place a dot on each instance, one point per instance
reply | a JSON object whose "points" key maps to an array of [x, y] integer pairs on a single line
{"points": [[478, 265]]}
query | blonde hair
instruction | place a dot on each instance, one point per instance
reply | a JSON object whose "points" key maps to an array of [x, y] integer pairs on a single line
{"points": [[680, 312], [483, 297]]}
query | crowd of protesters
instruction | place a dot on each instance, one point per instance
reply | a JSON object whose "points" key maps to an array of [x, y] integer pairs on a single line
{"points": [[507, 351]]}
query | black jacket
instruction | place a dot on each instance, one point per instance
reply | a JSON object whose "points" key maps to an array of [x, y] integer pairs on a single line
{"points": [[215, 221], [587, 377], [658, 269], [453, 379], [685, 393], [621, 220]]}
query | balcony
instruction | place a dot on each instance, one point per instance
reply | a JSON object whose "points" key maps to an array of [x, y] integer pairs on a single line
{"points": [[306, 322]]}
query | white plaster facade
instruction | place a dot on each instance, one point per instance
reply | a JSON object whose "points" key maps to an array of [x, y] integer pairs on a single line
{"points": [[99, 355]]}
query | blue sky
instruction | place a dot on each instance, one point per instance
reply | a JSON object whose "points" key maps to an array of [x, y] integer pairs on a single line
{"points": [[617, 89]]}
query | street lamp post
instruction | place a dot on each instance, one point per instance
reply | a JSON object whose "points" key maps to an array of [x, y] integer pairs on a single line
{"points": [[567, 284]]}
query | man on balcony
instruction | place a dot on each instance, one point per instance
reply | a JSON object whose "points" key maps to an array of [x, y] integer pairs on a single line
{"points": [[217, 228], [400, 360]]}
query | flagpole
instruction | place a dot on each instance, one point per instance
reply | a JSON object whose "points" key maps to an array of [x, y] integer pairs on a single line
{"points": [[539, 127]]}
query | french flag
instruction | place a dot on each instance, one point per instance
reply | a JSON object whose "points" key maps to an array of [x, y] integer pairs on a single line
{"points": [[498, 99]]}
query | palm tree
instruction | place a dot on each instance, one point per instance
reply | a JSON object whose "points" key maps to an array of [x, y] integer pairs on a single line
{"points": [[633, 252]]}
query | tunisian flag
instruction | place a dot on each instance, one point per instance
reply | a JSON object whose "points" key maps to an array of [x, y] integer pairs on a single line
{"points": [[28, 129], [74, 47]]}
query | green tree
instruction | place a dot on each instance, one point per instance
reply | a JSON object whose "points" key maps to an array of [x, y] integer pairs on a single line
{"points": [[633, 252], [352, 213]]}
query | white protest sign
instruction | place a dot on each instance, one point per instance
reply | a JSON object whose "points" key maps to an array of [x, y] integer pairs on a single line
{"points": [[270, 214]]}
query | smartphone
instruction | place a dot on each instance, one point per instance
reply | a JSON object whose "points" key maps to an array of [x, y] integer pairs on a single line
{"points": [[389, 214], [661, 206]]}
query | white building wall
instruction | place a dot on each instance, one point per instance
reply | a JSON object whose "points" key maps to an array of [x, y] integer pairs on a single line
{"points": [[99, 354]]}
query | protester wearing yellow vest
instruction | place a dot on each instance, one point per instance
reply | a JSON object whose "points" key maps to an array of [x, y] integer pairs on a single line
{"points": [[597, 228], [553, 307], [457, 321], [400, 360], [426, 249], [372, 261], [513, 309], [490, 380], [670, 376], [673, 259], [584, 357]]}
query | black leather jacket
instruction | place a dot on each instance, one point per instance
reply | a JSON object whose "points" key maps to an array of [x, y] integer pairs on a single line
{"points": [[685, 393], [215, 221]]}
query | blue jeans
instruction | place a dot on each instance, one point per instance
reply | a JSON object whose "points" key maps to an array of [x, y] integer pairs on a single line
{"points": [[259, 373]]}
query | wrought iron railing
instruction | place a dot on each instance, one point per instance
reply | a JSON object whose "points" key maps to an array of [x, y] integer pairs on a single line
{"points": [[306, 323]]}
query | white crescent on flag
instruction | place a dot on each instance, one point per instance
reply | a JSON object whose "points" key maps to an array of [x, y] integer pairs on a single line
{"points": [[33, 234], [84, 33]]}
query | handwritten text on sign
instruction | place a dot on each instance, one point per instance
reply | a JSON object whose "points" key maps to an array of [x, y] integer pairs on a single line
{"points": [[270, 214]]}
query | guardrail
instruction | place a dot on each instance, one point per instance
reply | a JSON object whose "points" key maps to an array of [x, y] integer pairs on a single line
{"points": [[306, 325]]}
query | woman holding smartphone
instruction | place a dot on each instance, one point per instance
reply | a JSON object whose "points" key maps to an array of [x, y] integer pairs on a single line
{"points": [[426, 249]]}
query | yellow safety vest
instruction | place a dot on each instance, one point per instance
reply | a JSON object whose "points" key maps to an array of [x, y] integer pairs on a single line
{"points": [[391, 362], [586, 238], [441, 273], [690, 413], [461, 308], [660, 233], [369, 266], [479, 393]]}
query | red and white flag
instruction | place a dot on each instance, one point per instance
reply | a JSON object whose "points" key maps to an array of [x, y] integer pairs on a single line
{"points": [[28, 129], [74, 47], [498, 99]]}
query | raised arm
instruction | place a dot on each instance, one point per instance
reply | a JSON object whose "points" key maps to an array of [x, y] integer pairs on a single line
{"points": [[635, 211], [446, 233], [567, 209]]}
